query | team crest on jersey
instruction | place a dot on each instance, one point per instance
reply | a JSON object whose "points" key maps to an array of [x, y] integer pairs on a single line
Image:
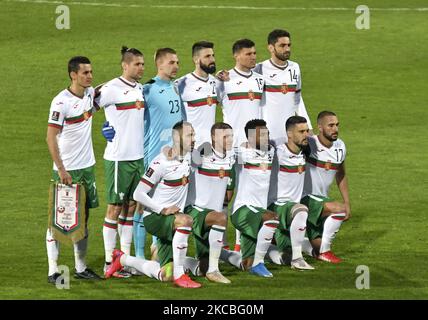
{"points": [[55, 116], [209, 101], [86, 115], [251, 95], [284, 88], [139, 104], [221, 173], [264, 166], [300, 169], [184, 181], [327, 165]]}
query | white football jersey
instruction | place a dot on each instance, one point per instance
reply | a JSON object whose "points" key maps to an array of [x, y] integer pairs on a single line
{"points": [[290, 176], [199, 97], [123, 103], [254, 177], [322, 165], [73, 115], [240, 97], [211, 178], [170, 179], [281, 97]]}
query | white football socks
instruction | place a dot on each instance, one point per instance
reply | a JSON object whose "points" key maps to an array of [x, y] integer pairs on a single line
{"points": [[150, 268], [126, 233], [109, 235], [215, 239], [264, 239], [52, 247], [192, 264], [232, 257], [297, 233], [80, 249], [331, 227], [179, 249]]}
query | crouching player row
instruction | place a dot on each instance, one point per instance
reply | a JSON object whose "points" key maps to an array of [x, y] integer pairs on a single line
{"points": [[307, 166]]}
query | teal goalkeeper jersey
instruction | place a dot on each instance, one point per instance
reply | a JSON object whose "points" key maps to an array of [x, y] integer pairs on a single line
{"points": [[163, 109]]}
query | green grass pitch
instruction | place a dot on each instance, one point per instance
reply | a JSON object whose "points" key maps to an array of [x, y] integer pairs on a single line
{"points": [[374, 79]]}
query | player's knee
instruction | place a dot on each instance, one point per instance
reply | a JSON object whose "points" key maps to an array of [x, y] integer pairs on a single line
{"points": [[220, 219], [113, 211], [334, 207], [183, 220], [270, 215], [299, 209]]}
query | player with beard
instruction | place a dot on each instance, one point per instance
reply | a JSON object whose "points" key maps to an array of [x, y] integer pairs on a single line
{"points": [[325, 163], [198, 91], [282, 94]]}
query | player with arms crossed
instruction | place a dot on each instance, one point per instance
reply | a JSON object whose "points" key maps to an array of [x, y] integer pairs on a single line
{"points": [[70, 146], [325, 163]]}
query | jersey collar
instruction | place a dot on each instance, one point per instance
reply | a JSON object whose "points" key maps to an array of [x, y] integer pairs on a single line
{"points": [[127, 82], [199, 78], [243, 75], [277, 66]]}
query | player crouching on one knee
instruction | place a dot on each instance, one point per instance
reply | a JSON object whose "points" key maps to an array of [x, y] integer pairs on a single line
{"points": [[250, 214], [213, 163], [288, 175], [168, 175], [325, 163]]}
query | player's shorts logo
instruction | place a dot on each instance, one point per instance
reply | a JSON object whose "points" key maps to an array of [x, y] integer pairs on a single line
{"points": [[251, 95], [284, 88]]}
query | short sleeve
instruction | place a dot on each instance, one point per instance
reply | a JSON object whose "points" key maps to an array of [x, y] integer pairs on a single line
{"points": [[57, 113]]}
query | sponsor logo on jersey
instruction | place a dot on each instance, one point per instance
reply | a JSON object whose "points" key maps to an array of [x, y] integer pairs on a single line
{"points": [[55, 115], [239, 82], [161, 91], [199, 89], [126, 92], [272, 75]]}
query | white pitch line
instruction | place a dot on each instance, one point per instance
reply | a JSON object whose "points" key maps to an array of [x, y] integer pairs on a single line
{"points": [[103, 4]]}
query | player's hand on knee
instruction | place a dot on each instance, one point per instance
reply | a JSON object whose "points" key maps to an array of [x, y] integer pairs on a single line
{"points": [[347, 213], [108, 131], [170, 210]]}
